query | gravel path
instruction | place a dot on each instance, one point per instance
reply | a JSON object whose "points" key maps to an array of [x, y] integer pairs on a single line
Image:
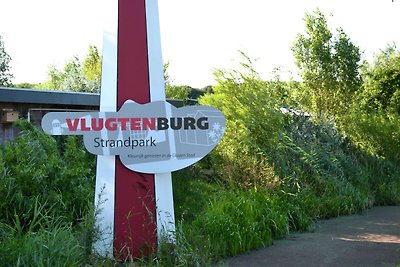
{"points": [[370, 239]]}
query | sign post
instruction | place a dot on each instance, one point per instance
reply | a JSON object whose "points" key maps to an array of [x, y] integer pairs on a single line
{"points": [[139, 137], [132, 69]]}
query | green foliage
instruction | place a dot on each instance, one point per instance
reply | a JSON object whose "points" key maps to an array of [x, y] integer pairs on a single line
{"points": [[310, 169], [192, 195], [167, 77], [47, 241], [329, 65], [182, 92], [381, 90], [46, 193], [223, 221], [5, 75], [376, 133], [92, 65], [253, 124], [174, 91], [76, 76], [37, 169], [177, 91], [25, 85], [316, 158], [232, 225]]}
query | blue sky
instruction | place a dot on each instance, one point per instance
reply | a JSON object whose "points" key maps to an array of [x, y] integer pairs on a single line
{"points": [[197, 35]]}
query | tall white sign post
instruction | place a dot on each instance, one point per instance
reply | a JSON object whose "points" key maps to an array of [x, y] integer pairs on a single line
{"points": [[135, 208], [139, 137]]}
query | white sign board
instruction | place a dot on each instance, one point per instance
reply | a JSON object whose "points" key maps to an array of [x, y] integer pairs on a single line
{"points": [[152, 138]]}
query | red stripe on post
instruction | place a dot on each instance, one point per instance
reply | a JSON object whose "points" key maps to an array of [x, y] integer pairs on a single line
{"points": [[135, 216]]}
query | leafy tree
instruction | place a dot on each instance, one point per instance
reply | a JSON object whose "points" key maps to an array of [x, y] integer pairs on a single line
{"points": [[195, 93], [76, 76], [5, 75], [207, 89], [174, 91], [177, 91], [92, 65], [329, 65], [382, 82], [167, 78], [25, 85]]}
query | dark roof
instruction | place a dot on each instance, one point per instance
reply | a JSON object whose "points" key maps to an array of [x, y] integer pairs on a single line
{"points": [[34, 96], [17, 95]]}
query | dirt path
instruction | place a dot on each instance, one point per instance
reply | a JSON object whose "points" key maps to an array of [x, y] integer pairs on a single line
{"points": [[370, 239]]}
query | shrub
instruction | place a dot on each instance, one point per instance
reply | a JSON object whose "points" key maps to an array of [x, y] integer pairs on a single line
{"points": [[38, 168], [46, 194]]}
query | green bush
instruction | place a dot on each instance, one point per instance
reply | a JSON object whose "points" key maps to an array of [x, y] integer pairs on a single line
{"points": [[375, 133], [46, 195], [46, 241], [274, 172], [37, 167], [269, 156], [253, 125]]}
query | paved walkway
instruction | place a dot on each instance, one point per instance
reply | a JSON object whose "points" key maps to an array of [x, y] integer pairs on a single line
{"points": [[370, 239]]}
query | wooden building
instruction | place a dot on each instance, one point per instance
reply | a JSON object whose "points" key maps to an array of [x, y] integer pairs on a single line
{"points": [[32, 105]]}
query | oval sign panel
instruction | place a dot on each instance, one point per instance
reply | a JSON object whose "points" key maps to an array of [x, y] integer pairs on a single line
{"points": [[152, 138]]}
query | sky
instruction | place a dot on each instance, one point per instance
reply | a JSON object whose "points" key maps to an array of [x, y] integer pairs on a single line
{"points": [[197, 36]]}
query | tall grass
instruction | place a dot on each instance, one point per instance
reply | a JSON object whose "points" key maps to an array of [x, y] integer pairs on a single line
{"points": [[47, 241], [46, 193]]}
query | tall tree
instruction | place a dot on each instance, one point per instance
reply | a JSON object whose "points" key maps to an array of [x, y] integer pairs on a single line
{"points": [[5, 75], [92, 66], [381, 90], [329, 65], [76, 76], [174, 91]]}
